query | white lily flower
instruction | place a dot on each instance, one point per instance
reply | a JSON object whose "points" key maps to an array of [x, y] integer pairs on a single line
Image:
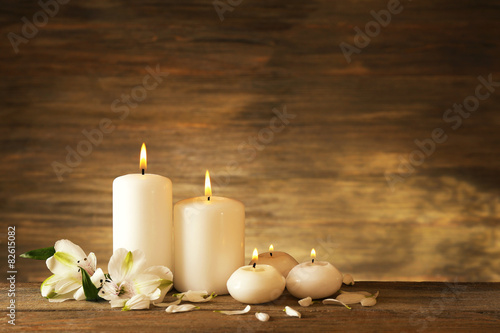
{"points": [[138, 302], [66, 265], [291, 312], [262, 316], [306, 301], [237, 312], [195, 296], [181, 308], [348, 279], [128, 280]]}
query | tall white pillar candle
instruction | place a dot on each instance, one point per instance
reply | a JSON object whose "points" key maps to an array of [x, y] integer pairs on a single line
{"points": [[209, 241], [142, 215]]}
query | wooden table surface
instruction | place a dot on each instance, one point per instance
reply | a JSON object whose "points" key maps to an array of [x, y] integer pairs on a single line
{"points": [[401, 307], [320, 182]]}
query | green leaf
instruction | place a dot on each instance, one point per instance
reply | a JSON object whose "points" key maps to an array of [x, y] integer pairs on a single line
{"points": [[91, 292], [40, 254]]}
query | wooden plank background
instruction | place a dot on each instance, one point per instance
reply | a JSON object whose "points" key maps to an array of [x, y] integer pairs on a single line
{"points": [[320, 182]]}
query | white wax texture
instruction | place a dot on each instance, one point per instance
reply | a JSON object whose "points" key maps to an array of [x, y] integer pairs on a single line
{"points": [[209, 243], [261, 284], [142, 217], [282, 261], [316, 280]]}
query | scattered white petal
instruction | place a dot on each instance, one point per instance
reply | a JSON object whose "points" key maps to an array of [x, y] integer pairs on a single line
{"points": [[262, 316], [306, 301], [369, 301], [195, 296], [348, 279], [181, 308], [291, 312], [334, 301], [229, 313], [351, 298], [138, 302], [166, 305]]}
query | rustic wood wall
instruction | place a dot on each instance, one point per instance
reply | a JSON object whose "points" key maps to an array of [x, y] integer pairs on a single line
{"points": [[318, 182]]}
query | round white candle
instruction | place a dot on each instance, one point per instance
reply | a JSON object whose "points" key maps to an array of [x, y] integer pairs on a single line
{"points": [[315, 279], [282, 261], [142, 215], [256, 284], [209, 241]]}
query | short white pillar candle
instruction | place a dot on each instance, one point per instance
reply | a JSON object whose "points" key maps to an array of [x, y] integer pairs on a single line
{"points": [[315, 279], [255, 284], [282, 261]]}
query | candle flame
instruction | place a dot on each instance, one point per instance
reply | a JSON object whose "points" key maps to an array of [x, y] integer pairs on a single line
{"points": [[144, 158], [208, 186], [313, 254], [255, 255], [271, 248]]}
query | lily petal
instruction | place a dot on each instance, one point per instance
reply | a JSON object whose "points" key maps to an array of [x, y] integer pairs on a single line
{"points": [[49, 285], [369, 301], [138, 302], [62, 263], [70, 248], [181, 308], [166, 277], [306, 301], [89, 263], [195, 296], [146, 284], [118, 302], [262, 316], [67, 284], [291, 312], [333, 301], [125, 264], [351, 298], [237, 312], [155, 295]]}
